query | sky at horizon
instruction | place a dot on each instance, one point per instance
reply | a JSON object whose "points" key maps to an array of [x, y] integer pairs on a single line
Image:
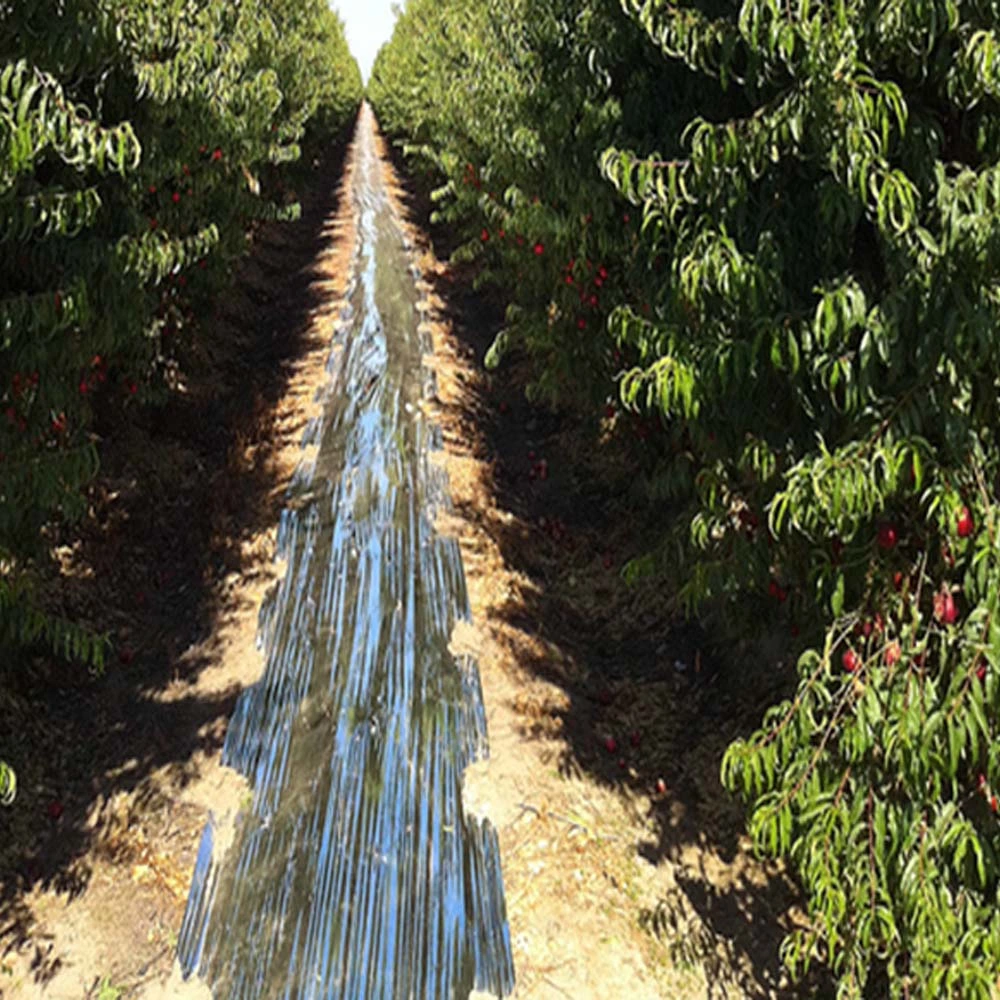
{"points": [[369, 24]]}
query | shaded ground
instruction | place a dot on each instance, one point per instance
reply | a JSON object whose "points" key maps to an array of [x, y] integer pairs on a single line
{"points": [[115, 773]]}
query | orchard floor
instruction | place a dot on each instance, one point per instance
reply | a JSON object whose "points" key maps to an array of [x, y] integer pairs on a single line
{"points": [[616, 885]]}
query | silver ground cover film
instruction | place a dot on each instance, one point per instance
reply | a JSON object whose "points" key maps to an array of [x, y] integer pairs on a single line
{"points": [[355, 872]]}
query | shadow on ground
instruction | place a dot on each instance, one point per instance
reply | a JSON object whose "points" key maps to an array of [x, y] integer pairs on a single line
{"points": [[651, 698], [182, 488]]}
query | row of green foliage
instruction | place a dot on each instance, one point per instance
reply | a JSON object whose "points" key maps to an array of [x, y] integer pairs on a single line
{"points": [[771, 230], [139, 139]]}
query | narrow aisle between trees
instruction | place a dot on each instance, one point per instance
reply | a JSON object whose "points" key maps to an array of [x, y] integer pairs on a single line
{"points": [[355, 872]]}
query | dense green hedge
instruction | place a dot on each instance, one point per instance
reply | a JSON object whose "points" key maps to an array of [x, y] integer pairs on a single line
{"points": [[138, 141], [772, 232]]}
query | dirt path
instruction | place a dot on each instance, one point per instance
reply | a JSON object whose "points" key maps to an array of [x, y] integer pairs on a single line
{"points": [[625, 873]]}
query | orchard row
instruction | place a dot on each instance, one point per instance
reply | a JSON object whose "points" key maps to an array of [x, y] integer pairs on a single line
{"points": [[138, 144], [766, 238]]}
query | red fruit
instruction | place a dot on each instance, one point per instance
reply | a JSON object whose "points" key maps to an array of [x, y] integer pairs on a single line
{"points": [[152, 189], [504, 407], [850, 661], [593, 300], [153, 223], [55, 809], [543, 469], [897, 580], [131, 387], [773, 588], [539, 249], [944, 607], [581, 324], [621, 763], [217, 154], [994, 805], [84, 387], [175, 197], [602, 272], [569, 279], [501, 233], [635, 738], [981, 782], [611, 745], [966, 526], [126, 655], [887, 537], [531, 456], [893, 654], [203, 150], [610, 411], [626, 218], [485, 236], [58, 302], [187, 170], [981, 672], [661, 787]]}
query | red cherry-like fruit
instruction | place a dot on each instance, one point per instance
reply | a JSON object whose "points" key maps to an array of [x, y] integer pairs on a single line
{"points": [[661, 787], [981, 672], [893, 654], [850, 661], [887, 537], [635, 738], [966, 526], [611, 745], [55, 809], [944, 608], [126, 655]]}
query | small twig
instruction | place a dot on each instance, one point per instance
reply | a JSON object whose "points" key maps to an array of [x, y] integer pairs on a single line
{"points": [[527, 807]]}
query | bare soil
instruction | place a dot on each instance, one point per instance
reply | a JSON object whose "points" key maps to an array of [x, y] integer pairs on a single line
{"points": [[616, 885]]}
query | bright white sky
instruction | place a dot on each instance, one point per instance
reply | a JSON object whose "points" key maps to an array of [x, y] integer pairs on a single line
{"points": [[369, 24]]}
